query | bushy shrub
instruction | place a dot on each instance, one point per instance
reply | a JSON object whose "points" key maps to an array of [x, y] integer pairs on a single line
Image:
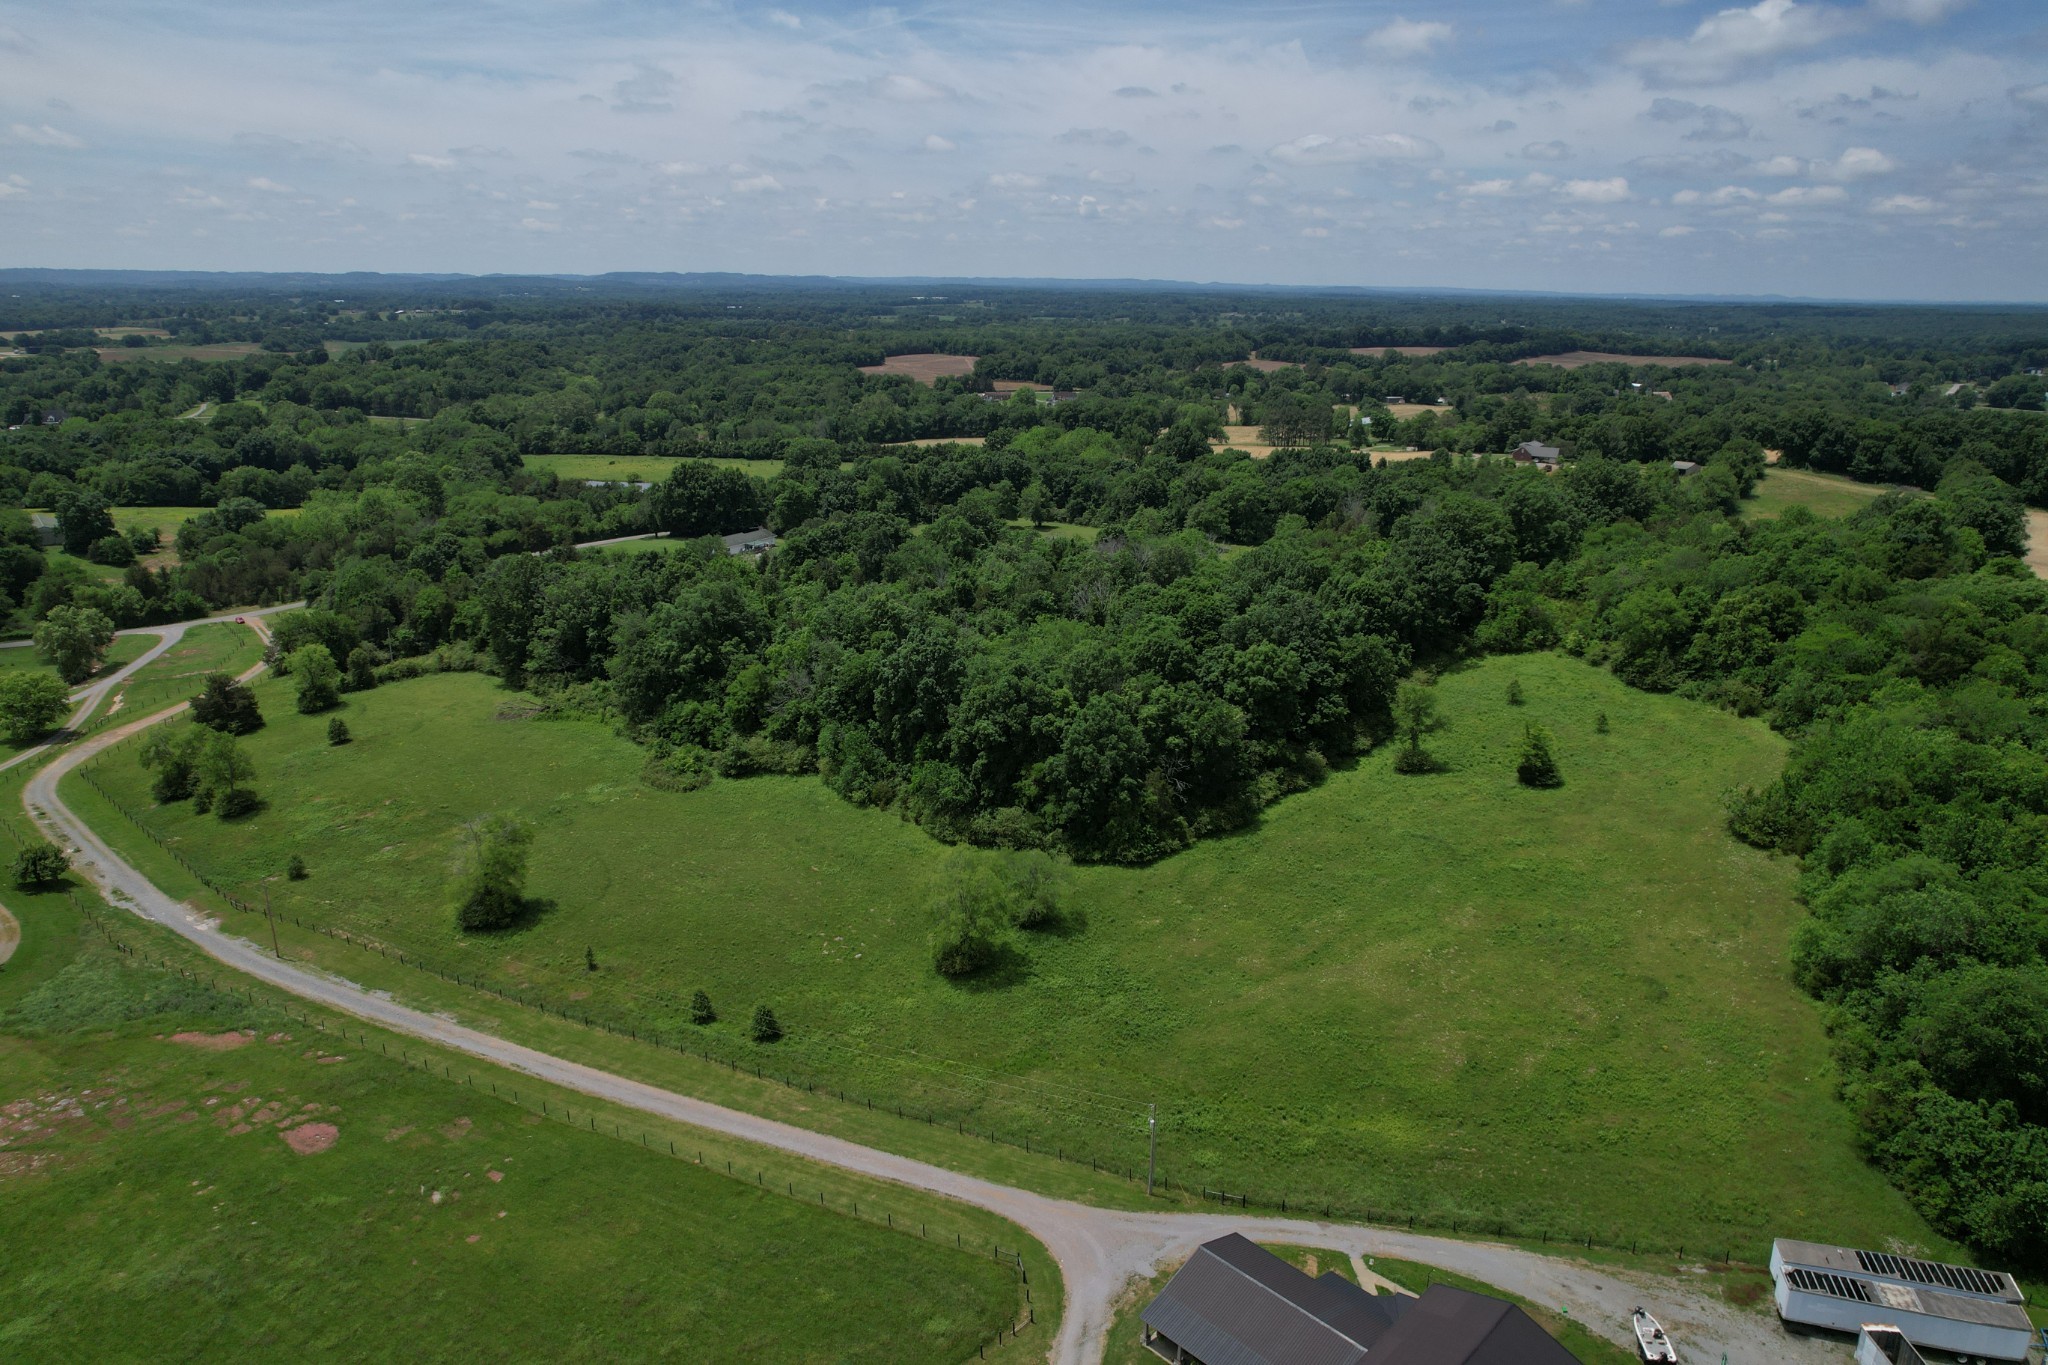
{"points": [[337, 731], [491, 894], [701, 1012], [764, 1028], [39, 864]]}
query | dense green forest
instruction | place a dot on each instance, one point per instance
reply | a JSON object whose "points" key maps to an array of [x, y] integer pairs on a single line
{"points": [[1210, 631]]}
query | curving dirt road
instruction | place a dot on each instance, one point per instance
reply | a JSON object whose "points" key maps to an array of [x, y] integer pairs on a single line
{"points": [[1099, 1251]]}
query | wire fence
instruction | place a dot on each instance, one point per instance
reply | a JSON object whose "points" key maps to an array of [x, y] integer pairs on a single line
{"points": [[567, 1114], [1077, 1149]]}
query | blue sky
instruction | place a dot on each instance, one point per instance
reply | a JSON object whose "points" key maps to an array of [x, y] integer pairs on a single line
{"points": [[1859, 148]]}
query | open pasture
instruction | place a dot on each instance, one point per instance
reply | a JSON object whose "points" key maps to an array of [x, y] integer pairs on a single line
{"points": [[1266, 366], [1827, 495], [1439, 993], [189, 1174], [926, 367], [1417, 409], [1572, 360]]}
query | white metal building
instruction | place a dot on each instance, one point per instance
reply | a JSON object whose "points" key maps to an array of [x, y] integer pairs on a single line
{"points": [[1946, 1307]]}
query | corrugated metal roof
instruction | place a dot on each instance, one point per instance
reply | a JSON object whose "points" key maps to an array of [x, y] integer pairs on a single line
{"points": [[1960, 1279], [1448, 1326], [1234, 1303]]}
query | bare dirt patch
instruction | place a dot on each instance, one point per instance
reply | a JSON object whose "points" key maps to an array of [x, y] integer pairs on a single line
{"points": [[2037, 541], [10, 934], [213, 1042], [309, 1138], [1572, 360], [926, 367], [1398, 350], [457, 1130], [1267, 366], [943, 441], [1012, 385]]}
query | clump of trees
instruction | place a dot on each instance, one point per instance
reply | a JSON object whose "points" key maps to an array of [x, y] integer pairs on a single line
{"points": [[227, 706], [491, 892], [764, 1027], [31, 704], [39, 864], [73, 640], [208, 767], [979, 900], [701, 1012], [318, 677]]}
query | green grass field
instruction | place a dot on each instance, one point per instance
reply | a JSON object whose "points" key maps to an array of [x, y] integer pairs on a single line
{"points": [[179, 672], [1445, 995], [1827, 495], [638, 468], [189, 1174]]}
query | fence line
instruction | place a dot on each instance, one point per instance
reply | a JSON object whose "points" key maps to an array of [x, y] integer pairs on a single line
{"points": [[1287, 1204]]}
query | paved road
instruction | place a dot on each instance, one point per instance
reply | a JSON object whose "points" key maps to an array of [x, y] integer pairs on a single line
{"points": [[1099, 1251]]}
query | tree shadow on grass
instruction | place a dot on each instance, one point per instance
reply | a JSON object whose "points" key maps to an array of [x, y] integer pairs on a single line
{"points": [[1011, 966], [532, 910]]}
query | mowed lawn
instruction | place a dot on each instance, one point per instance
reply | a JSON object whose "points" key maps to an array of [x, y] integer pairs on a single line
{"points": [[187, 1177], [1826, 495], [1449, 995]]}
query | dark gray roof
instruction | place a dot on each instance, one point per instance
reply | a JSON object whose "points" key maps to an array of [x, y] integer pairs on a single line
{"points": [[1449, 1326], [1234, 1303]]}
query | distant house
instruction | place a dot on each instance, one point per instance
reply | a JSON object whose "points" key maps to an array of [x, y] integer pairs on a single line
{"points": [[1664, 394], [47, 531], [1235, 1303], [1536, 453], [54, 417], [750, 542], [1684, 467]]}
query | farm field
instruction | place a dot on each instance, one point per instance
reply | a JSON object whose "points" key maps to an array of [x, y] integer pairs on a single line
{"points": [[1827, 495], [1417, 409], [1448, 988], [926, 367], [2037, 541], [1572, 360], [189, 1174], [1265, 366], [638, 468]]}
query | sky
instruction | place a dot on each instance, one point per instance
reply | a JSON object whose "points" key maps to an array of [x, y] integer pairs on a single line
{"points": [[1847, 149]]}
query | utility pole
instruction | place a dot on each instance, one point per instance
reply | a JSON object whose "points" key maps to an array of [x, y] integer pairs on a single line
{"points": [[274, 949], [1152, 1142]]}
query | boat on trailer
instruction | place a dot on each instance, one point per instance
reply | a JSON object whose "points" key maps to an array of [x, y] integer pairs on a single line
{"points": [[1650, 1338]]}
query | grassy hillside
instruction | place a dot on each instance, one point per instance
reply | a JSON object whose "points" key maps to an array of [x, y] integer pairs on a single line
{"points": [[1826, 495], [189, 1175], [1445, 994]]}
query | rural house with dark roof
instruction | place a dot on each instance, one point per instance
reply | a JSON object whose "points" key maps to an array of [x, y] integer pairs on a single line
{"points": [[1235, 1303]]}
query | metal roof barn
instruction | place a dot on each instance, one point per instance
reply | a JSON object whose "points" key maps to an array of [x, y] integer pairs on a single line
{"points": [[1932, 1304]]}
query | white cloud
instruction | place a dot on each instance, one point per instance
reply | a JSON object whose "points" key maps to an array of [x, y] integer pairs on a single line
{"points": [[1315, 149], [934, 143], [2034, 95], [1548, 151], [784, 19], [1918, 11], [1609, 191], [1784, 166], [1810, 194], [1736, 40], [264, 182], [431, 162], [1861, 161], [757, 184], [539, 225], [1014, 180], [43, 135], [1407, 37], [1677, 230], [1904, 203], [8, 189], [1487, 189], [1727, 194]]}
